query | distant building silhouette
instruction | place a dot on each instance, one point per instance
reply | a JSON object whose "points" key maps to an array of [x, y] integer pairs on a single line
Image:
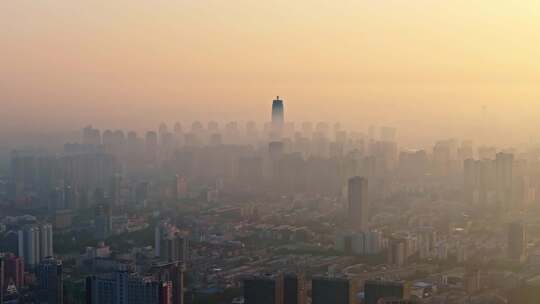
{"points": [[358, 203], [264, 289], [51, 281], [333, 290], [375, 291], [125, 288], [277, 112], [294, 291], [517, 241]]}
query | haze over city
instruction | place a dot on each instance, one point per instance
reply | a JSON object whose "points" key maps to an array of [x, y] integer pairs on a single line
{"points": [[269, 152], [426, 67]]}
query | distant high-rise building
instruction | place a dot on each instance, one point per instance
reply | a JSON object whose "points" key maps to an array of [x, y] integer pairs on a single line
{"points": [[46, 241], [294, 290], [35, 243], [307, 129], [327, 290], [141, 192], [151, 146], [173, 273], [108, 139], [103, 221], [23, 174], [91, 136], [115, 189], [264, 290], [178, 134], [397, 252], [125, 288], [197, 127], [29, 245], [275, 149], [517, 241], [174, 248], [50, 279], [180, 187], [169, 245], [251, 129], [375, 291], [358, 203], [162, 128], [471, 279], [215, 140], [250, 170], [13, 271], [504, 163], [277, 112]]}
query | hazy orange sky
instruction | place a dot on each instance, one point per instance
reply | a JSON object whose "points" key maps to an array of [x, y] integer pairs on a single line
{"points": [[425, 66]]}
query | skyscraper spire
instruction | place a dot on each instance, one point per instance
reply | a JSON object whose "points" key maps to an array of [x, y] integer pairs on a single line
{"points": [[277, 112]]}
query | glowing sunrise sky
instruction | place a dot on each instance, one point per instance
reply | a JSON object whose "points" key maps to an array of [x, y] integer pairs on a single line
{"points": [[425, 66]]}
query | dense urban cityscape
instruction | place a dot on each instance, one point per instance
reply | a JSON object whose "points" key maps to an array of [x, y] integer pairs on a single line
{"points": [[272, 213]]}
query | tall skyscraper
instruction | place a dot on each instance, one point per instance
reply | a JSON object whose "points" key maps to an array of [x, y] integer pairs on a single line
{"points": [[29, 245], [266, 289], [174, 248], [125, 288], [327, 290], [169, 245], [180, 187], [51, 282], [277, 112], [173, 273], [103, 221], [397, 252], [46, 241], [358, 203], [294, 290], [517, 241], [35, 243]]}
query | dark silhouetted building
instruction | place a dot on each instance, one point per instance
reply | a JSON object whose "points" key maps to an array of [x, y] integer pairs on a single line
{"points": [[173, 273], [50, 281], [327, 290], [358, 203], [264, 289], [294, 290], [376, 290], [277, 112], [517, 241], [125, 288], [103, 221]]}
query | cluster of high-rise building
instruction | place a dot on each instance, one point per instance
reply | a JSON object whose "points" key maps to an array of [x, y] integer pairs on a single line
{"points": [[162, 284], [35, 243], [292, 289], [503, 182], [359, 216], [169, 244]]}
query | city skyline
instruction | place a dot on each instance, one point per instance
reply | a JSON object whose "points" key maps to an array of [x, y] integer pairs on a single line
{"points": [[359, 63], [269, 152]]}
